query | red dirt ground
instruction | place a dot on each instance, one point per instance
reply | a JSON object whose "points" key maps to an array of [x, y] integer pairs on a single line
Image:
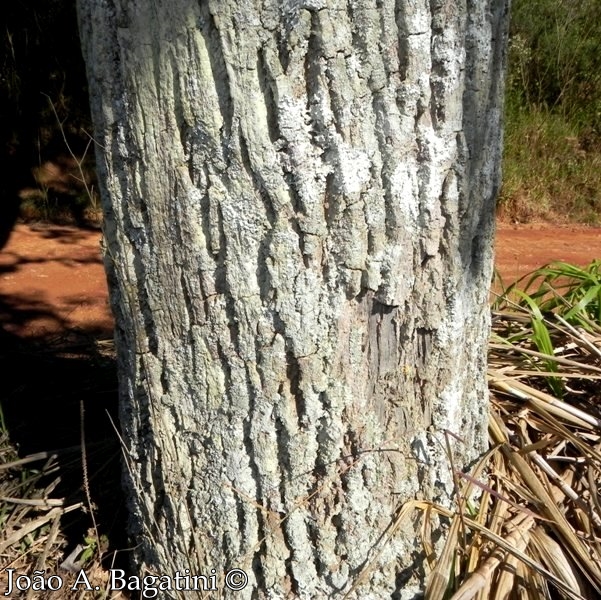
{"points": [[52, 278]]}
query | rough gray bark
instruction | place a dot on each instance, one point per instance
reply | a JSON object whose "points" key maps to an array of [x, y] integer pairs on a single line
{"points": [[299, 202]]}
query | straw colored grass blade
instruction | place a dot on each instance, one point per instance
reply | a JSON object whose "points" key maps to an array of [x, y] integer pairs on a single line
{"points": [[554, 557], [442, 575]]}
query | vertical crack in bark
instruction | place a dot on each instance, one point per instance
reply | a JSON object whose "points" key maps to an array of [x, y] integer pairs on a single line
{"points": [[439, 70], [218, 243], [323, 436], [215, 44], [292, 583], [150, 343], [267, 85], [316, 543], [283, 50], [258, 567], [404, 52], [285, 470], [264, 279]]}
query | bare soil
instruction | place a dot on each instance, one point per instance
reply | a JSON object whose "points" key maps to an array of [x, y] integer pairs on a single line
{"points": [[52, 277], [521, 249]]}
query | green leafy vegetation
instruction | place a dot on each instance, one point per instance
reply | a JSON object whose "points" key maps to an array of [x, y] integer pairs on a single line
{"points": [[552, 164]]}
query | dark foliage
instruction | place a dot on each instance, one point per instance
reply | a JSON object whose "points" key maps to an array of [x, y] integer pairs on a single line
{"points": [[41, 72]]}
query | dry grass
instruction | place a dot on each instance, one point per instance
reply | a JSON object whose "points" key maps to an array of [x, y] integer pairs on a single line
{"points": [[536, 530], [44, 506], [32, 537], [551, 170]]}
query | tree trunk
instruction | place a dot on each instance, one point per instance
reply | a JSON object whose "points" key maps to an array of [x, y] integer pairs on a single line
{"points": [[299, 211]]}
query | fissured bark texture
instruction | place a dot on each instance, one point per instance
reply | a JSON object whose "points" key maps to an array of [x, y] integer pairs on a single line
{"points": [[299, 202]]}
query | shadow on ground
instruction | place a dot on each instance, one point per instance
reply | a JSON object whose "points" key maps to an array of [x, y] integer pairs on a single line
{"points": [[54, 388]]}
